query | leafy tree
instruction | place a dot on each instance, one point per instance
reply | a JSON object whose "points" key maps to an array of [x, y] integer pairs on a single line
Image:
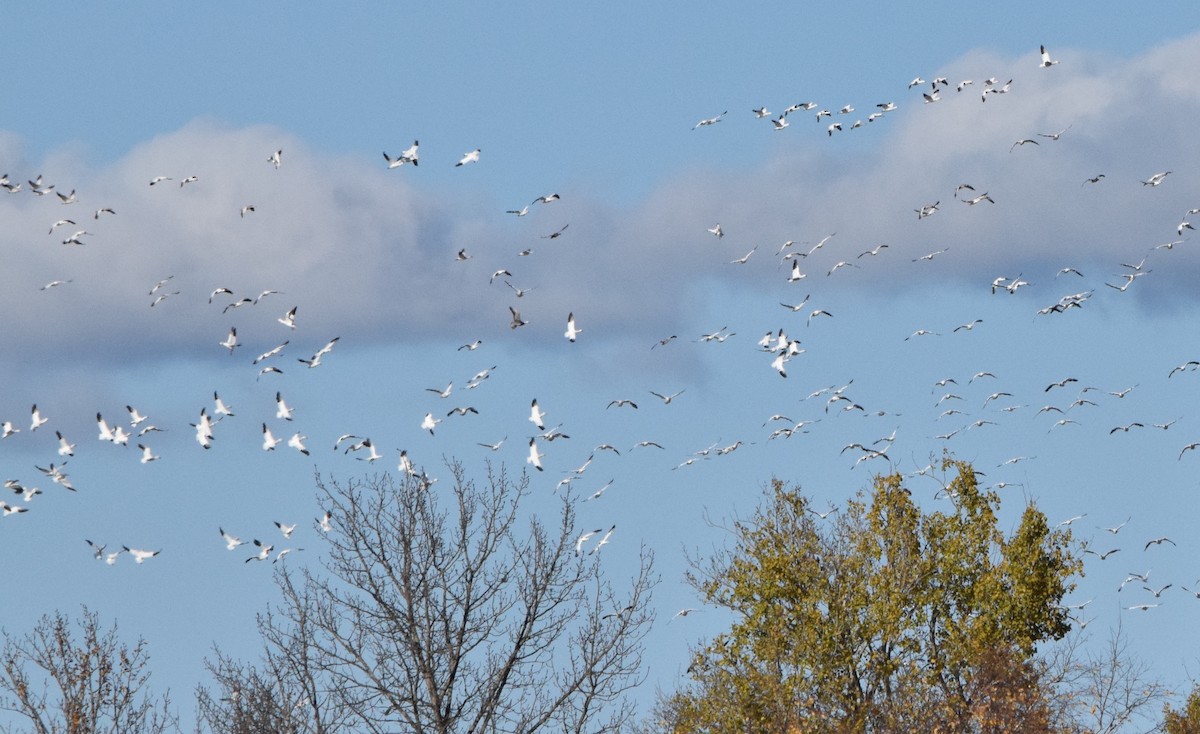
{"points": [[72, 679], [1185, 720], [442, 611], [884, 617]]}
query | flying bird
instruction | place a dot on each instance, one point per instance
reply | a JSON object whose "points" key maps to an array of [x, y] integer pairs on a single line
{"points": [[572, 330], [536, 416], [140, 555], [269, 440], [535, 457], [667, 398], [297, 442], [710, 120]]}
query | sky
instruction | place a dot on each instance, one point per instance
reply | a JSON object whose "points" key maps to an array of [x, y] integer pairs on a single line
{"points": [[599, 105]]}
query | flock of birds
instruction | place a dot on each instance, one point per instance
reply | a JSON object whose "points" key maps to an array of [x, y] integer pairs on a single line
{"points": [[777, 346]]}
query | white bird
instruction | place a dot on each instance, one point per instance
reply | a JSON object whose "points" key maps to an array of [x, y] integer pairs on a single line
{"points": [[406, 464], [779, 364], [8, 429], [38, 188], [57, 475], [408, 156], [931, 255], [493, 446], [710, 120], [927, 210], [287, 530], [297, 442], [716, 231], [282, 410], [572, 330], [1047, 62], [315, 360], [105, 430], [1156, 179], [75, 239], [1057, 135], [64, 448], [231, 341], [289, 318], [780, 123], [667, 398], [147, 455], [140, 555], [36, 419], [276, 159], [220, 408], [326, 522], [604, 540], [204, 432], [231, 542], [516, 321], [270, 353], [120, 436], [814, 314], [471, 157], [535, 456], [536, 416], [585, 537], [442, 393], [744, 258], [97, 550], [796, 274], [264, 551], [429, 423], [546, 199]]}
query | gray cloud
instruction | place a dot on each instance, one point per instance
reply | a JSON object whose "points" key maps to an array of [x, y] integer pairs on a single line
{"points": [[369, 253]]}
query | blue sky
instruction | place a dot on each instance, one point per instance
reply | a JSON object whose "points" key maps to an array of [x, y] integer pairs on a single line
{"points": [[596, 104]]}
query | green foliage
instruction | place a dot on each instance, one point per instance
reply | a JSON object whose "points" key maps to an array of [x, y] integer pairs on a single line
{"points": [[878, 618]]}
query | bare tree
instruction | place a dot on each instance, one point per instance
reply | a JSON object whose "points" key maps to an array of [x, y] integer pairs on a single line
{"points": [[1108, 690], [68, 684], [451, 611]]}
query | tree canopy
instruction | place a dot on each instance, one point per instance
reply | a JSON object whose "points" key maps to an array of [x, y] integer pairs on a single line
{"points": [[883, 617]]}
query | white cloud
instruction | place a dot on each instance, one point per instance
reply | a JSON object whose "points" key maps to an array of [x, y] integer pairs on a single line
{"points": [[368, 254]]}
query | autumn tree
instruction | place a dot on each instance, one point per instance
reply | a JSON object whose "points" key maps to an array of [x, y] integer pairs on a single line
{"points": [[1185, 720], [65, 678], [884, 617], [448, 609]]}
